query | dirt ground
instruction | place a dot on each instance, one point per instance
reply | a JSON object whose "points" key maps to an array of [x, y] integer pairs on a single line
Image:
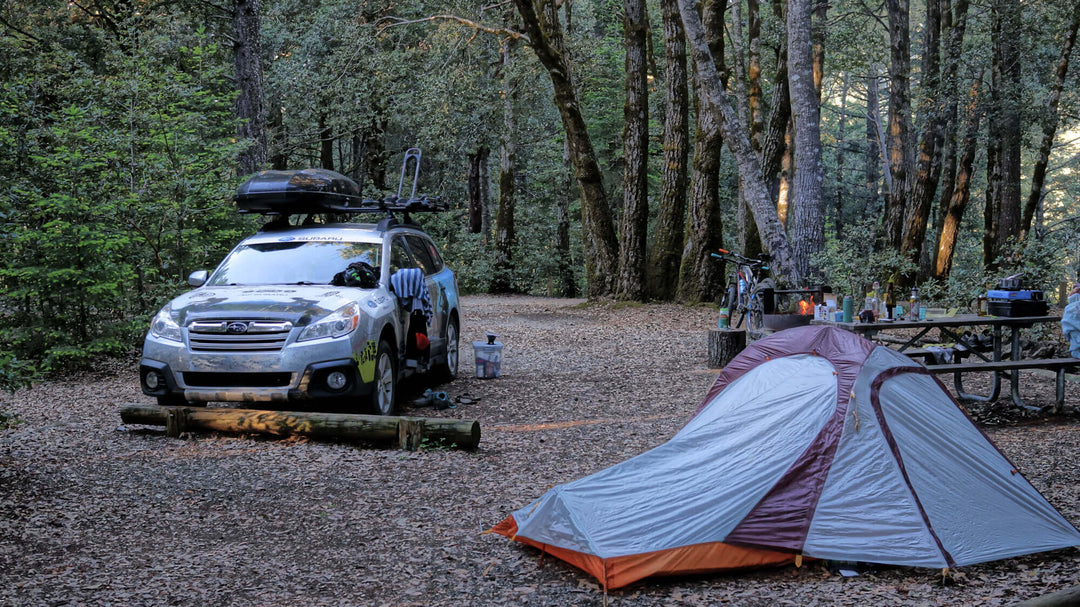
{"points": [[93, 512]]}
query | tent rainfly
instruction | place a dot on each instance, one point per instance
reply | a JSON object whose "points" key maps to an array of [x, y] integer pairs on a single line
{"points": [[813, 442]]}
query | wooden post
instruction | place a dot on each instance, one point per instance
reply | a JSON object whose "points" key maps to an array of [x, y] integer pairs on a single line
{"points": [[410, 433], [463, 434], [724, 345], [175, 422]]}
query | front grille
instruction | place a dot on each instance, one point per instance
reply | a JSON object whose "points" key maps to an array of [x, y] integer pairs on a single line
{"points": [[237, 380], [238, 335]]}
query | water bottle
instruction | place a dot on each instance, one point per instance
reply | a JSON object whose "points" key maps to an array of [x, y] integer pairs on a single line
{"points": [[742, 285]]}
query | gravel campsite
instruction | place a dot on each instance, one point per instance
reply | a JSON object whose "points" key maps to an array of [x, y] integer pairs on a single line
{"points": [[95, 512]]}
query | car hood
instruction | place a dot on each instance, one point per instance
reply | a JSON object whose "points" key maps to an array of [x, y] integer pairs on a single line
{"points": [[298, 304]]}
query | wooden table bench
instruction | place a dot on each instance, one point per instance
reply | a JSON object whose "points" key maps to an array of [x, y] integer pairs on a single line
{"points": [[1058, 365], [951, 327]]}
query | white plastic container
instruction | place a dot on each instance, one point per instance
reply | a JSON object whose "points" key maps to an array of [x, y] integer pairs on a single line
{"points": [[488, 357]]}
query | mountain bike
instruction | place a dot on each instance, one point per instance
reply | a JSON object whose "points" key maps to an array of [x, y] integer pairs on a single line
{"points": [[746, 294]]}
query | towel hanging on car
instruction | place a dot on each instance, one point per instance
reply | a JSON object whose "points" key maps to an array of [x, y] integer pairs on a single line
{"points": [[412, 293]]}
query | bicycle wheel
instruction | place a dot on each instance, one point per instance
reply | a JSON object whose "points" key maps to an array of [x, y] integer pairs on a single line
{"points": [[755, 320]]}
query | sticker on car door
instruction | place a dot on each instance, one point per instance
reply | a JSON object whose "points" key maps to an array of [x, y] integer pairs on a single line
{"points": [[365, 361]]}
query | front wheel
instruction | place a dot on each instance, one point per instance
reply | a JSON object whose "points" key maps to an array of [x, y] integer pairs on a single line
{"points": [[448, 370], [384, 392]]}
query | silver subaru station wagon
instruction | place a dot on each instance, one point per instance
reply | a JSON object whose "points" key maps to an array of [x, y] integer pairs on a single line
{"points": [[339, 311]]}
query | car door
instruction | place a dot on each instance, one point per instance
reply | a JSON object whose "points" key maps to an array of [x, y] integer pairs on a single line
{"points": [[418, 248]]}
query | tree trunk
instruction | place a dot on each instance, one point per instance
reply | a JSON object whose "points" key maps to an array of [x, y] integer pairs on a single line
{"points": [[746, 233], [753, 74], [1049, 124], [899, 133], [724, 345], [1008, 213], [485, 197], [873, 149], [954, 25], [700, 277], [841, 158], [505, 235], [993, 157], [818, 27], [247, 55], [787, 170], [326, 144], [635, 219], [714, 99], [358, 155], [541, 22], [808, 223], [477, 189], [567, 282], [774, 145], [667, 249], [278, 139], [749, 239], [928, 167], [961, 193], [376, 155]]}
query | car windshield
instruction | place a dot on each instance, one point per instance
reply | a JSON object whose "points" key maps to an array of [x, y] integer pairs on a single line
{"points": [[292, 262]]}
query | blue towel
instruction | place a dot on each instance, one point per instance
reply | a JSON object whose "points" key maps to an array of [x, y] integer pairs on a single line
{"points": [[1070, 324], [412, 293]]}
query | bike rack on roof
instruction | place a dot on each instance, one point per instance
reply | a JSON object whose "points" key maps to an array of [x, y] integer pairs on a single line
{"points": [[318, 191]]}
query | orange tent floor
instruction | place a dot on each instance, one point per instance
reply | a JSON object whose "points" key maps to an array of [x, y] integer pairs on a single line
{"points": [[619, 571]]}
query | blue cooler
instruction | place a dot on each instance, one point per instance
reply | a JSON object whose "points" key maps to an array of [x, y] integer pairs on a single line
{"points": [[1016, 302]]}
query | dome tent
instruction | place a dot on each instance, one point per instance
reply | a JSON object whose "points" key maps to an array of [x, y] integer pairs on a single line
{"points": [[812, 442]]}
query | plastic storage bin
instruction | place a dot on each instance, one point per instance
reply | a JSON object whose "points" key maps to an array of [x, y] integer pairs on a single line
{"points": [[488, 357]]}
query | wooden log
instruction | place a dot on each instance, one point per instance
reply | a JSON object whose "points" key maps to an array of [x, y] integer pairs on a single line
{"points": [[724, 345], [463, 434], [1061, 598]]}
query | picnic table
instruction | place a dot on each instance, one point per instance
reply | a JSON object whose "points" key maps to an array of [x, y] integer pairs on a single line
{"points": [[950, 328]]}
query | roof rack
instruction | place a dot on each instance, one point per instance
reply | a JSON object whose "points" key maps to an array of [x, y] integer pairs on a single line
{"points": [[312, 191]]}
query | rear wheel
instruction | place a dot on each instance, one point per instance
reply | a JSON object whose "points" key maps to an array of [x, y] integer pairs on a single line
{"points": [[448, 370], [384, 392]]}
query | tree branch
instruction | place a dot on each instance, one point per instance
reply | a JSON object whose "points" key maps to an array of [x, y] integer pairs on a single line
{"points": [[8, 25], [218, 7], [387, 22]]}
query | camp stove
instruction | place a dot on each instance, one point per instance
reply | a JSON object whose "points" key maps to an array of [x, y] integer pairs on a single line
{"points": [[1010, 299]]}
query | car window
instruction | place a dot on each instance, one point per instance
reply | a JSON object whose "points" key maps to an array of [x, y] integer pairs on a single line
{"points": [[399, 256], [291, 262], [419, 249], [435, 255]]}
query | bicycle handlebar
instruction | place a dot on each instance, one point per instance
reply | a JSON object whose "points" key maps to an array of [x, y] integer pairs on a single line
{"points": [[735, 257]]}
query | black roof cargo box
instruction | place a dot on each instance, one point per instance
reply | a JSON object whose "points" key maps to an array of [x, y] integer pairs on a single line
{"points": [[297, 191]]}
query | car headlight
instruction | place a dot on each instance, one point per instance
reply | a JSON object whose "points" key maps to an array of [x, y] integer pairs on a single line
{"points": [[340, 322], [165, 327]]}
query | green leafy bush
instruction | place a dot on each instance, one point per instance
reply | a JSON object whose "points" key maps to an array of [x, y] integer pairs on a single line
{"points": [[14, 374], [116, 185], [852, 265]]}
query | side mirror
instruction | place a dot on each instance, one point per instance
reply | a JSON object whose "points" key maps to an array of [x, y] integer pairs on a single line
{"points": [[197, 278]]}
